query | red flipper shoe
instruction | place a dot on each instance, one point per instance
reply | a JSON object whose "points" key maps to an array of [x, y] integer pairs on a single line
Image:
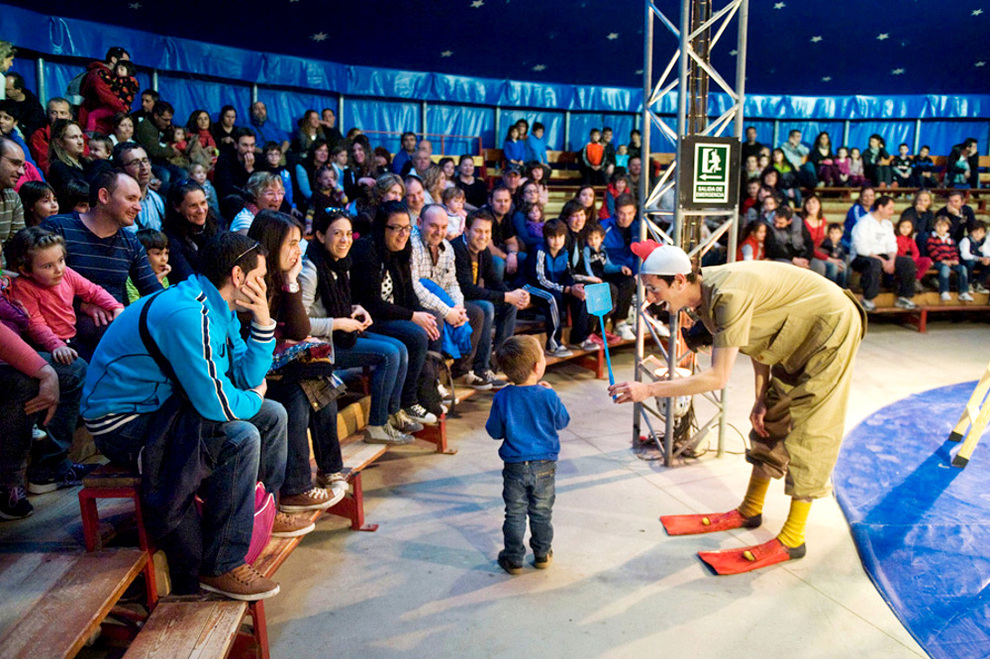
{"points": [[747, 559], [709, 523]]}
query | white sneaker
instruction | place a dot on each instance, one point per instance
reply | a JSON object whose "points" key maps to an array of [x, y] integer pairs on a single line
{"points": [[589, 345], [625, 332], [37, 434], [445, 394], [965, 297], [869, 305], [419, 414], [560, 352], [945, 297], [978, 288], [476, 381], [905, 303], [401, 422], [387, 435]]}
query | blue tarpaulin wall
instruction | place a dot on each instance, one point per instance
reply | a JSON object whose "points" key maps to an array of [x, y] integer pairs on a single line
{"points": [[195, 74]]}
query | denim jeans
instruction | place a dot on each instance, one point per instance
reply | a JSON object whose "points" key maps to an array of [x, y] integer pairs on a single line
{"points": [[417, 342], [528, 488], [322, 425], [48, 456], [243, 453], [390, 361], [484, 316], [962, 274]]}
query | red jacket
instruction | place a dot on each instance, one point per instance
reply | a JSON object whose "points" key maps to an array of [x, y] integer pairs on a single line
{"points": [[39, 146], [96, 92]]}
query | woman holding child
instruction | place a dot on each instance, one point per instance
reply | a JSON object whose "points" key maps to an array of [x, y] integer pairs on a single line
{"points": [[326, 294]]}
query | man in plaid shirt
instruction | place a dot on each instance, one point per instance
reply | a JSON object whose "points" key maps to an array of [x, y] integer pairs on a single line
{"points": [[433, 259]]}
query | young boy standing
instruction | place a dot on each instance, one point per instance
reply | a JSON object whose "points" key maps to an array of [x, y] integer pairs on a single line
{"points": [[526, 417]]}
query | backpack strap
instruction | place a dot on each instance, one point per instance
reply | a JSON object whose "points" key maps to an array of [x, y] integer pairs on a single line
{"points": [[152, 347]]}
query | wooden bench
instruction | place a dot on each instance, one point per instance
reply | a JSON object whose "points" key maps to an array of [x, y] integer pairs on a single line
{"points": [[52, 604], [928, 302]]}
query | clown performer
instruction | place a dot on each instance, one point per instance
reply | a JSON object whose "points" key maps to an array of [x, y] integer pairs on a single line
{"points": [[801, 332]]}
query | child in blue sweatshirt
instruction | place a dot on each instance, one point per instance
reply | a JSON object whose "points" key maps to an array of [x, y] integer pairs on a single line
{"points": [[620, 279], [552, 285], [526, 417]]}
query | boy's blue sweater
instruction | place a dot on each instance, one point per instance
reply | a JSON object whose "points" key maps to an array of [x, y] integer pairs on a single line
{"points": [[527, 420], [619, 253], [536, 149], [552, 273]]}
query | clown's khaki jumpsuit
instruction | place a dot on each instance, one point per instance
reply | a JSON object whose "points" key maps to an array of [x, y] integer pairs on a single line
{"points": [[807, 330]]}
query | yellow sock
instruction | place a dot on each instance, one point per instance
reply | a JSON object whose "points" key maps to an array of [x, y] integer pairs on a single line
{"points": [[792, 535], [756, 494]]}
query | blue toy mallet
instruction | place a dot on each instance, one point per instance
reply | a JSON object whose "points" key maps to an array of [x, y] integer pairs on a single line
{"points": [[598, 298]]}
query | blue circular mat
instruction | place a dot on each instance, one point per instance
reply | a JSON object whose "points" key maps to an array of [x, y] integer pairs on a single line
{"points": [[922, 526]]}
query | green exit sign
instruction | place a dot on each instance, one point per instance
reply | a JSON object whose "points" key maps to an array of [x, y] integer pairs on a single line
{"points": [[711, 173], [708, 172]]}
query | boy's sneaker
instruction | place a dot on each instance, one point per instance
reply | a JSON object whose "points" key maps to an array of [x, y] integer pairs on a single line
{"points": [[419, 414], [497, 382], [476, 381], [946, 297], [543, 562], [869, 305], [505, 564], [335, 481], [445, 394], [315, 498], [965, 297], [560, 352], [979, 288], [905, 303], [14, 503], [625, 332], [387, 434], [590, 344], [243, 583], [291, 526], [401, 422], [37, 434], [69, 478]]}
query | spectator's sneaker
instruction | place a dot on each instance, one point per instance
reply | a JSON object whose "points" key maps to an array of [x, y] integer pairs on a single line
{"points": [[560, 352], [590, 344], [14, 503], [315, 498], [945, 297], [71, 477], [243, 583], [543, 562], [445, 394], [869, 305], [965, 297], [37, 434], [497, 383], [334, 481], [625, 332], [476, 381], [291, 526], [979, 288], [387, 434], [905, 303], [508, 566], [419, 414], [401, 422], [918, 287]]}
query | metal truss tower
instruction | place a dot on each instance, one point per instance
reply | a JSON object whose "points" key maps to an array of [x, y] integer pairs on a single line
{"points": [[701, 27]]}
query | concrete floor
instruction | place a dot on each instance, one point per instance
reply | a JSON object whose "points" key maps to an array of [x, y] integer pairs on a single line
{"points": [[426, 583]]}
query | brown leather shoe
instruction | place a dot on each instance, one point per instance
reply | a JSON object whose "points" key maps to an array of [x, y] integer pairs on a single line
{"points": [[243, 583], [291, 526], [315, 498]]}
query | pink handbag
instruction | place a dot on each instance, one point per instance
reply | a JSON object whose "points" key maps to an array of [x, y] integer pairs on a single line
{"points": [[264, 519]]}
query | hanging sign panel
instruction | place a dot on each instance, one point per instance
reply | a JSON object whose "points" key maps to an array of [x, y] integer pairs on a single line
{"points": [[709, 173]]}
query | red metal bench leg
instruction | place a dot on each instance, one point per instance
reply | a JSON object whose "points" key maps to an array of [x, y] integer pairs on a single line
{"points": [[437, 434], [90, 521], [923, 322], [260, 627], [352, 507]]}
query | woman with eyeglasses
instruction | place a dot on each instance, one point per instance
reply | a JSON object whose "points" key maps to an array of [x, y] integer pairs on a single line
{"points": [[382, 281], [326, 291], [280, 235], [189, 225], [266, 193]]}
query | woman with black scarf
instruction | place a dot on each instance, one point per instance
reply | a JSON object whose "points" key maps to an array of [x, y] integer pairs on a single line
{"points": [[326, 293], [189, 225], [382, 279]]}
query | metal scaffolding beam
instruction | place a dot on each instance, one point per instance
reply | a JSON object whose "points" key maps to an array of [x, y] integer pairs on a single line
{"points": [[701, 28]]}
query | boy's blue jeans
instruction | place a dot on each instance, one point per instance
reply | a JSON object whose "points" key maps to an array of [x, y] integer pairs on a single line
{"points": [[528, 488], [944, 270]]}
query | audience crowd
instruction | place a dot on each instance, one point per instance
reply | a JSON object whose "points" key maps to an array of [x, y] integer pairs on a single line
{"points": [[196, 283]]}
